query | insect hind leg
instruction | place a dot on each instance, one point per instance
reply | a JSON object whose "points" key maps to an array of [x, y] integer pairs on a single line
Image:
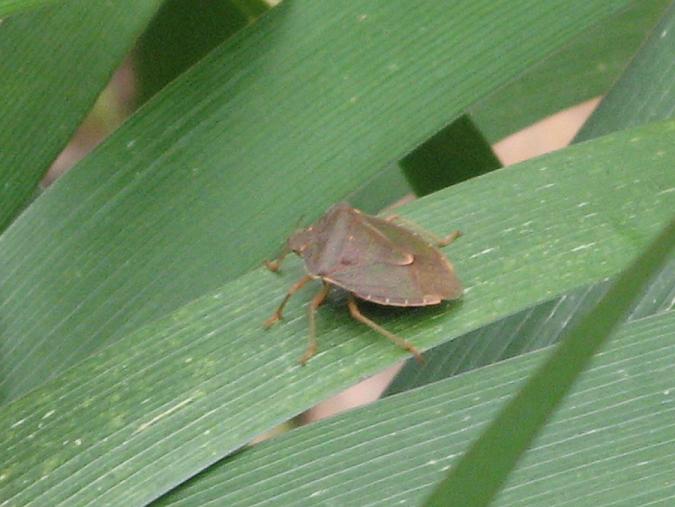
{"points": [[401, 342], [441, 242], [427, 235]]}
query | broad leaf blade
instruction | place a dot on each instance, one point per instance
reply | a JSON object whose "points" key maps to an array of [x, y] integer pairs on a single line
{"points": [[528, 330], [454, 154], [381, 191], [11, 7], [645, 93], [395, 450], [209, 178], [485, 467], [181, 393], [183, 32], [584, 69]]}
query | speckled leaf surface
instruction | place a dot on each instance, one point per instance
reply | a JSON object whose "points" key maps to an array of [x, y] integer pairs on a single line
{"points": [[644, 93], [147, 413], [595, 450], [487, 464], [210, 176]]}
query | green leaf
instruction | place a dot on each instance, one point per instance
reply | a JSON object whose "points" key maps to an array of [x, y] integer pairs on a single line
{"points": [[381, 191], [643, 94], [197, 378], [456, 153], [253, 8], [531, 329], [208, 178], [183, 32], [485, 467], [55, 63], [612, 440], [11, 7], [582, 70], [646, 91]]}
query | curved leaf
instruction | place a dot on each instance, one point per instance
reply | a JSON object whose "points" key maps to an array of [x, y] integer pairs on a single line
{"points": [[487, 464], [456, 153], [146, 413], [595, 450], [531, 329], [11, 7], [645, 93], [55, 63], [585, 68], [182, 33], [208, 178]]}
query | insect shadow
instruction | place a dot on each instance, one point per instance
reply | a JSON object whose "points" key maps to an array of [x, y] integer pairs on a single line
{"points": [[374, 259]]}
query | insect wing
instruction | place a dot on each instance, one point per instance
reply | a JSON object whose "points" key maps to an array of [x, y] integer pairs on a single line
{"points": [[344, 237], [427, 279]]}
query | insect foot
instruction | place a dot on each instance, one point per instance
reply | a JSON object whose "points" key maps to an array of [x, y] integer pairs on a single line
{"points": [[272, 320], [309, 353], [273, 266]]}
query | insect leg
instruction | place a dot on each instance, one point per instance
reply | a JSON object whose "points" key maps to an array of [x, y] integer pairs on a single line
{"points": [[276, 317], [401, 342], [449, 238], [427, 235], [318, 298], [275, 264]]}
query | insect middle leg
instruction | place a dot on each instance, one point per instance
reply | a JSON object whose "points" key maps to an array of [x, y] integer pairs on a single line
{"points": [[312, 346], [278, 314], [401, 342]]}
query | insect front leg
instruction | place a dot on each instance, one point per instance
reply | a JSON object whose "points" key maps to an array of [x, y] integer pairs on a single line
{"points": [[401, 342], [277, 315], [275, 264], [312, 346]]}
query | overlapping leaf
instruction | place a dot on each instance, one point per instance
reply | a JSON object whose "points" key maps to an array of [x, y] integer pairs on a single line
{"points": [[55, 62], [198, 378], [585, 68], [395, 450], [488, 463], [645, 93], [172, 206]]}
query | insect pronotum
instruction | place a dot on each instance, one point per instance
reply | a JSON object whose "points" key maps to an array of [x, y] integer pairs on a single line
{"points": [[374, 259]]}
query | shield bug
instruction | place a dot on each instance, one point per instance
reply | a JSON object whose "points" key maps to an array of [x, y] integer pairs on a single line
{"points": [[374, 259]]}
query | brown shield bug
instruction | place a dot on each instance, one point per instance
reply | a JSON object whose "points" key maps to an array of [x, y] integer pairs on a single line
{"points": [[374, 259]]}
